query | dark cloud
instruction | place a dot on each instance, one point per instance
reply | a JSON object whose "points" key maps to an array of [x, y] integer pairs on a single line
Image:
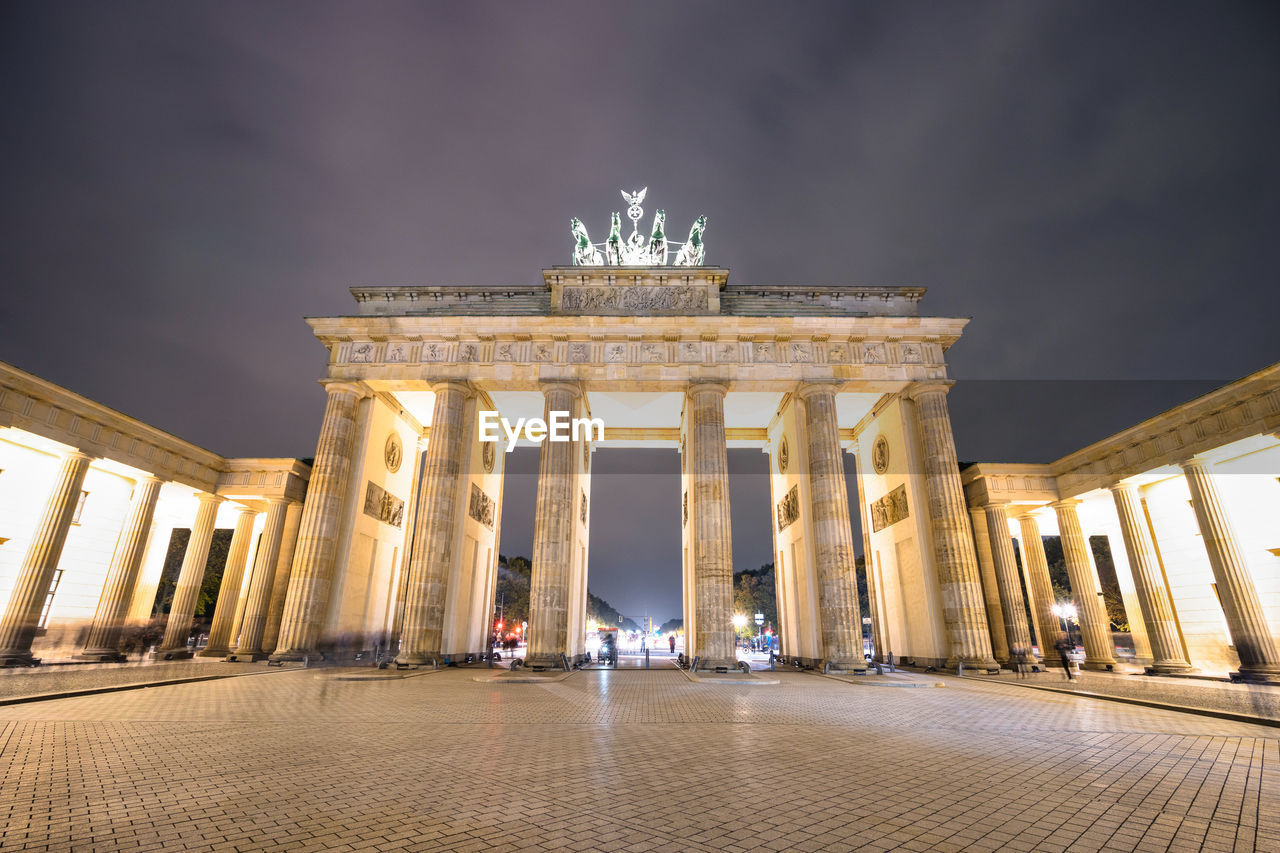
{"points": [[1095, 184]]}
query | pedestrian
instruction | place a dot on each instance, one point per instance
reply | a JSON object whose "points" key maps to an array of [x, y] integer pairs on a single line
{"points": [[1020, 661], [671, 641], [1062, 645]]}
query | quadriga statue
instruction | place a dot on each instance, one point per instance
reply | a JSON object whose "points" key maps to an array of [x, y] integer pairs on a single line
{"points": [[584, 254], [692, 253]]}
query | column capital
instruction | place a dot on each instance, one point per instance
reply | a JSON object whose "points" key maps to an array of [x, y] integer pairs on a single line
{"points": [[209, 498], [1195, 463], [821, 386], [1122, 487], [916, 390], [246, 510], [995, 505], [149, 478], [345, 386], [458, 385], [707, 387], [280, 501], [551, 386], [1066, 503], [77, 453]]}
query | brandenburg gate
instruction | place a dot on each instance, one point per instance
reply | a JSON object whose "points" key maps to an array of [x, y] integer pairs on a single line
{"points": [[401, 524]]}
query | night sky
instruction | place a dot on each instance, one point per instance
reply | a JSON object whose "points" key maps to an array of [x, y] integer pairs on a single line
{"points": [[1096, 184]]}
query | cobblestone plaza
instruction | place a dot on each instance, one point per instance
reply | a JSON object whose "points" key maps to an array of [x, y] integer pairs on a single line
{"points": [[639, 760]]}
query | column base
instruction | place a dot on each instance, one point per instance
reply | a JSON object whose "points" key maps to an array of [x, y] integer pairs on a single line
{"points": [[16, 658], [712, 664], [1256, 676], [102, 656], [1099, 665], [975, 664], [415, 659], [853, 665], [294, 655], [208, 652], [544, 662], [171, 654], [1168, 668], [245, 657]]}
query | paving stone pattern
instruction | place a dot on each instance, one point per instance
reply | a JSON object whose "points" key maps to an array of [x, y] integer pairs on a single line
{"points": [[634, 761]]}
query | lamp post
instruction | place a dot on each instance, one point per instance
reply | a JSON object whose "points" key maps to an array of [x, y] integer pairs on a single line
{"points": [[759, 629], [1066, 612]]}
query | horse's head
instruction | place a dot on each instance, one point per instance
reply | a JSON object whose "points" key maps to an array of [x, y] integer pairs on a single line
{"points": [[695, 233]]}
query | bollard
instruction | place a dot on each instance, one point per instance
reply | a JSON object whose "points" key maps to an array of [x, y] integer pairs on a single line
{"points": [[646, 658], [891, 669], [771, 660]]}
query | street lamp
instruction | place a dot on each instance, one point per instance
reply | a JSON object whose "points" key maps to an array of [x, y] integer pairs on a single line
{"points": [[759, 629], [1067, 613]]}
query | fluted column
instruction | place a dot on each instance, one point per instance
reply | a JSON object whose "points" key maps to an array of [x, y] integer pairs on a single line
{"points": [[254, 622], [990, 590], [1095, 627], [317, 547], [964, 612], [280, 584], [416, 499], [436, 526], [712, 535], [224, 613], [1246, 621], [1012, 605], [833, 557], [1042, 601], [183, 609], [103, 642], [550, 584], [1148, 580], [22, 615], [873, 594]]}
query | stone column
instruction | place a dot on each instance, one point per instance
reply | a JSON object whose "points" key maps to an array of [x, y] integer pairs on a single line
{"points": [[22, 615], [1042, 601], [1148, 580], [873, 595], [1246, 621], [224, 614], [1012, 605], [402, 578], [280, 586], [834, 561], [317, 546], [182, 612], [103, 642], [957, 564], [436, 526], [711, 540], [990, 590], [1095, 628], [254, 622], [550, 585]]}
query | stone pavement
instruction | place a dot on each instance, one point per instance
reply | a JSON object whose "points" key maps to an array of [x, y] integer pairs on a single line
{"points": [[634, 760], [20, 682]]}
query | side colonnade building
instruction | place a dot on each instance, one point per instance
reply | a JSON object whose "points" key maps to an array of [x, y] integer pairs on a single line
{"points": [[89, 498], [1189, 504]]}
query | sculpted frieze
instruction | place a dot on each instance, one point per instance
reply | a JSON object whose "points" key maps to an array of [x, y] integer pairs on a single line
{"points": [[634, 299]]}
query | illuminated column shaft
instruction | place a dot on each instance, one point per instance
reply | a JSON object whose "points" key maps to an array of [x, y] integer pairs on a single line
{"points": [[1037, 567], [280, 585], [712, 539], [1239, 598], [254, 622], [873, 595], [964, 612], [402, 580], [1095, 628], [550, 584], [182, 612], [839, 614], [1148, 580], [990, 590], [436, 526], [229, 590], [22, 615], [316, 552], [103, 642], [1012, 605]]}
